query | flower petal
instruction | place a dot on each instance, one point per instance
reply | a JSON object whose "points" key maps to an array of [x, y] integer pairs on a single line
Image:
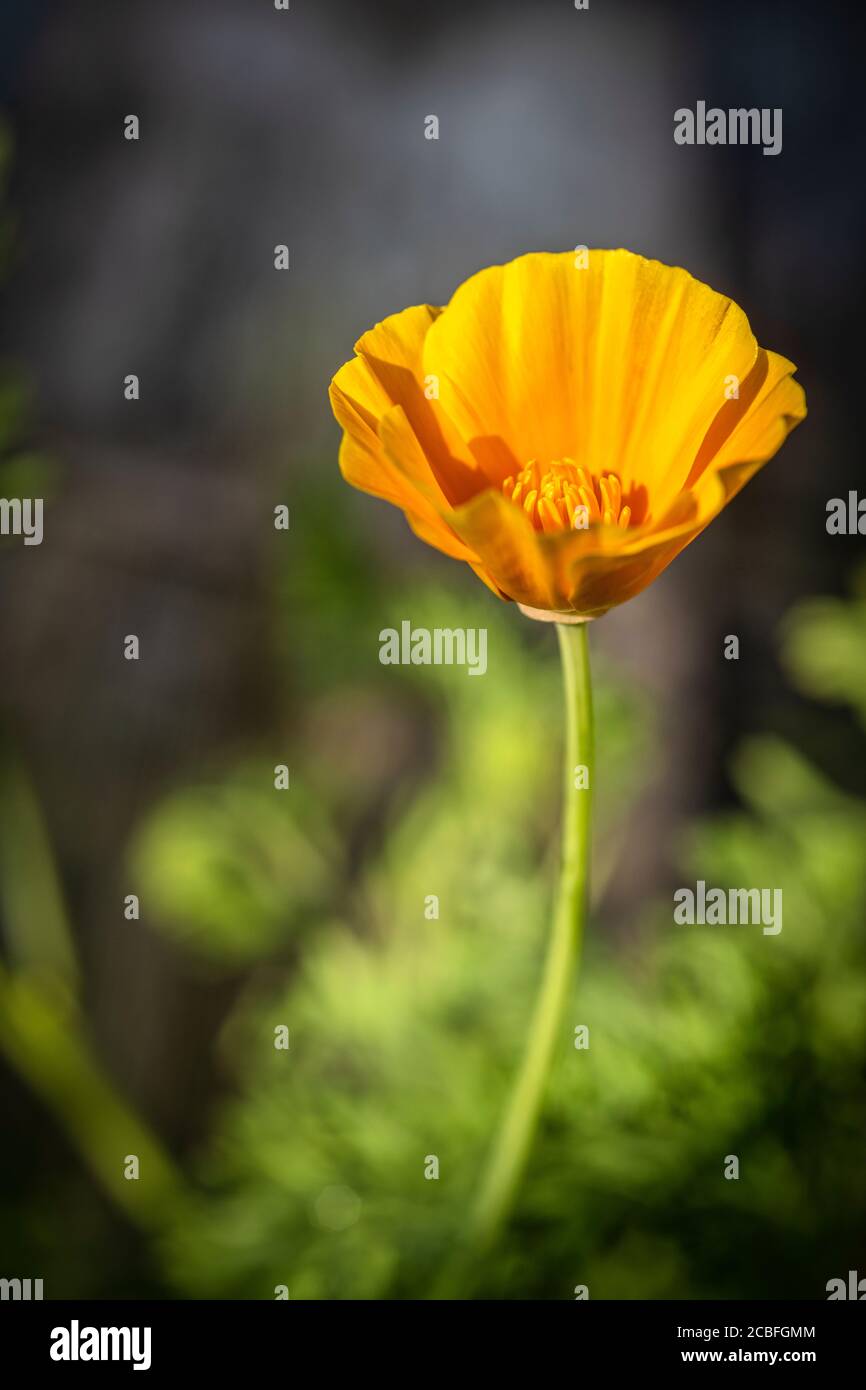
{"points": [[387, 372], [427, 510], [620, 365], [754, 427], [578, 571]]}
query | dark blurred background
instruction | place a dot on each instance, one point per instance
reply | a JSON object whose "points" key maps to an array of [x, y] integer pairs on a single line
{"points": [[259, 647]]}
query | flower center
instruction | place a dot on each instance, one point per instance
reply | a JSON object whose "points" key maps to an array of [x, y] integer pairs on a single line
{"points": [[565, 496]]}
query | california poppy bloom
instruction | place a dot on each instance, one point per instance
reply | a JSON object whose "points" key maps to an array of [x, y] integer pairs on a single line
{"points": [[565, 425]]}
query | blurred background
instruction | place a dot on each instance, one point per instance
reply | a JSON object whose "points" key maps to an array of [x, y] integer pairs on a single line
{"points": [[155, 1036]]}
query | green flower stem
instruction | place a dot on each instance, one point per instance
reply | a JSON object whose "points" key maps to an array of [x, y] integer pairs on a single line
{"points": [[508, 1160]]}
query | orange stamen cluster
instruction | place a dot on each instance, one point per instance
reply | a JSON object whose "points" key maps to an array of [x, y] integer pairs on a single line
{"points": [[554, 498]]}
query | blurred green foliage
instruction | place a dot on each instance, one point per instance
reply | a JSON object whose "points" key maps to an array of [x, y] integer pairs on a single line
{"points": [[406, 1027], [44, 1034], [233, 870], [405, 1031], [825, 648], [43, 1027]]}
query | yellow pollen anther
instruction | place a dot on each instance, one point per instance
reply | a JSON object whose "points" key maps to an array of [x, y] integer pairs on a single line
{"points": [[552, 496]]}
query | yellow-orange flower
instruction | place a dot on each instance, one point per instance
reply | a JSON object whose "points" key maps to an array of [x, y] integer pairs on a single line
{"points": [[566, 431]]}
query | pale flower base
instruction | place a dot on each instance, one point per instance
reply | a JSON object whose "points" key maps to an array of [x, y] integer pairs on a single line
{"points": [[546, 615]]}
